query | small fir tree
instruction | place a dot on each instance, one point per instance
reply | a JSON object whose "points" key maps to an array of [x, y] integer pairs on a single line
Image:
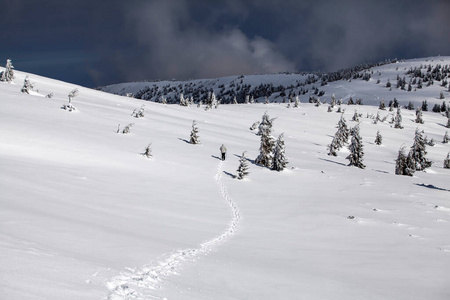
{"points": [[242, 170], [296, 102], [446, 138], [424, 105], [266, 122], [419, 116], [448, 122], [279, 157], [398, 119], [266, 147], [418, 152], [382, 106], [127, 128], [27, 85], [355, 117], [447, 162], [378, 138], [403, 164], [8, 74], [194, 134], [356, 149], [148, 151]]}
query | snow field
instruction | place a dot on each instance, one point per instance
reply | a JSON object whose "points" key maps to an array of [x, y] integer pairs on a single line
{"points": [[83, 212]]}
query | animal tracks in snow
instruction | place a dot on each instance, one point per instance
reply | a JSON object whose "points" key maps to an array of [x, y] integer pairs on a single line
{"points": [[139, 283]]}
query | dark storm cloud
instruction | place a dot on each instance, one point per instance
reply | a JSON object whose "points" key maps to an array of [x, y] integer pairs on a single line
{"points": [[102, 42]]}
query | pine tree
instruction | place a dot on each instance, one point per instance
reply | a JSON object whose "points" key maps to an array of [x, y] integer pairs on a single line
{"points": [[194, 134], [235, 100], [448, 122], [183, 101], [398, 119], [148, 151], [334, 146], [242, 170], [419, 116], [447, 162], [355, 117], [279, 157], [356, 149], [267, 144], [265, 122], [378, 139], [343, 132], [418, 152], [296, 102], [8, 74], [403, 164], [382, 106], [424, 105], [27, 86], [446, 138]]}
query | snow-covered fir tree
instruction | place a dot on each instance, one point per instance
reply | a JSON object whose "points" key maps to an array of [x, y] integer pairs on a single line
{"points": [[343, 132], [8, 74], [148, 151], [266, 121], [195, 139], [334, 146], [378, 138], [247, 99], [163, 100], [183, 101], [235, 100], [404, 165], [382, 106], [27, 85], [398, 119], [279, 157], [242, 170], [127, 128], [419, 118], [355, 117], [296, 102], [447, 162], [446, 138], [448, 122], [266, 100], [139, 113], [356, 149], [333, 101], [267, 143], [418, 152]]}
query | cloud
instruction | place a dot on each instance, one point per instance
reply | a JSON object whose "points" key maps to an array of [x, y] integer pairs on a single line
{"points": [[178, 45]]}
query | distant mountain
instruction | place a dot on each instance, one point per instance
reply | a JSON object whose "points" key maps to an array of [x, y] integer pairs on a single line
{"points": [[412, 80]]}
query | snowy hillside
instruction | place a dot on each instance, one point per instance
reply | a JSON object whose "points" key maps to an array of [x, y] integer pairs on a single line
{"points": [[422, 79], [84, 215]]}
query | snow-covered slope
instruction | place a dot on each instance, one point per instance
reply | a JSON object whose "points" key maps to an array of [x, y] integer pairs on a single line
{"points": [[280, 87], [85, 216]]}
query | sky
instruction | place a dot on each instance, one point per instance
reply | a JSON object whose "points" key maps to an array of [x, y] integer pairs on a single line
{"points": [[96, 43]]}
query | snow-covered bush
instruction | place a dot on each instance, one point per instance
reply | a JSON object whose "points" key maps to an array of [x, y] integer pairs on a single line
{"points": [[447, 162], [139, 113], [127, 128]]}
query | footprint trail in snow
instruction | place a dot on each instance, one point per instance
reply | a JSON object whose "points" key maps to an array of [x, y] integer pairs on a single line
{"points": [[139, 283]]}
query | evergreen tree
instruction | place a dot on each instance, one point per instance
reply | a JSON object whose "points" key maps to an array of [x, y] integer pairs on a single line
{"points": [[448, 122], [419, 116], [296, 102], [267, 144], [334, 146], [266, 122], [382, 106], [148, 151], [403, 164], [183, 101], [418, 152], [447, 162], [446, 138], [398, 119], [355, 116], [343, 132], [356, 149], [27, 85], [235, 100], [378, 139], [279, 157], [242, 170], [194, 134], [424, 105], [8, 74]]}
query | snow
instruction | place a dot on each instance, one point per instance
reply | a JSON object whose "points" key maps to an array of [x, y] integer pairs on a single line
{"points": [[85, 216]]}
